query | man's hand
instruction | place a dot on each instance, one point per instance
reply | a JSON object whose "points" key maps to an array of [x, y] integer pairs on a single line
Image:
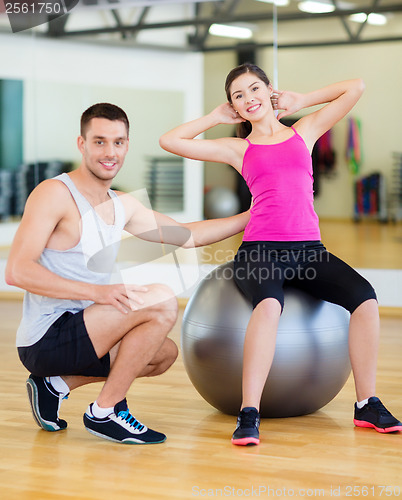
{"points": [[124, 298]]}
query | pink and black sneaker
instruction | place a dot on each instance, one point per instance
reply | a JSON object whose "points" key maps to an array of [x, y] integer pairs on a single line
{"points": [[247, 429], [374, 415]]}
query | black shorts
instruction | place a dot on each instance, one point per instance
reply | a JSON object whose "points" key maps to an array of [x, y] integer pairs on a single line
{"points": [[262, 268], [65, 349]]}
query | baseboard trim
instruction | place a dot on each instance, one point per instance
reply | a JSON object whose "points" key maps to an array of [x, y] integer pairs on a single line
{"points": [[390, 311], [11, 295], [183, 301]]}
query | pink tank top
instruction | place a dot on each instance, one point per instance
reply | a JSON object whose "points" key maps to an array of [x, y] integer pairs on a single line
{"points": [[280, 179]]}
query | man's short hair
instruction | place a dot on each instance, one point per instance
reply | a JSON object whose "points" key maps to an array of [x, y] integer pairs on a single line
{"points": [[103, 110]]}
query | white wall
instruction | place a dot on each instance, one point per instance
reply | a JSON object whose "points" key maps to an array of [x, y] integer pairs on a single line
{"points": [[152, 86]]}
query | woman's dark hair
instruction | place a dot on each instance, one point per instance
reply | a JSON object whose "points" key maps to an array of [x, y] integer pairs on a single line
{"points": [[244, 128], [103, 110]]}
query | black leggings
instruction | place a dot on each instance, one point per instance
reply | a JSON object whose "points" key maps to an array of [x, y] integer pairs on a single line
{"points": [[261, 268]]}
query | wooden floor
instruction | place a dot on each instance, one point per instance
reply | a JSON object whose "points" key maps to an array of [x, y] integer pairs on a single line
{"points": [[321, 455]]}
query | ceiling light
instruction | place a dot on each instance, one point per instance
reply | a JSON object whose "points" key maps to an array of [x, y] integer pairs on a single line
{"points": [[230, 30], [360, 17], [279, 3], [373, 18], [315, 7], [377, 19]]}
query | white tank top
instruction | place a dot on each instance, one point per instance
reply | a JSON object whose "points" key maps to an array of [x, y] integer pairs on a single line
{"points": [[92, 260]]}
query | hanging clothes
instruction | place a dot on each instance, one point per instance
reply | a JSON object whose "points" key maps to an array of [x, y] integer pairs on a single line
{"points": [[325, 153], [353, 149], [323, 156]]}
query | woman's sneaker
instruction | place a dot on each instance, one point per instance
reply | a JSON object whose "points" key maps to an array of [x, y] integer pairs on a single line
{"points": [[45, 403], [247, 429], [121, 427], [376, 416]]}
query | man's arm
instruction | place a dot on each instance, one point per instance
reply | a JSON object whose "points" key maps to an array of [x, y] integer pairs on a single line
{"points": [[213, 230], [154, 226], [45, 209]]}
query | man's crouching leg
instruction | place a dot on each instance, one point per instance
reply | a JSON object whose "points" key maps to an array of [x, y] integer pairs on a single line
{"points": [[144, 350]]}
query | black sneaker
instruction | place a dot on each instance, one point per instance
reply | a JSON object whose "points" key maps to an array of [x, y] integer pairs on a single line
{"points": [[121, 427], [376, 416], [45, 404], [248, 423]]}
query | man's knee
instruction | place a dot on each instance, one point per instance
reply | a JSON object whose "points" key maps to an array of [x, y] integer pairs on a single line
{"points": [[171, 352], [164, 359], [166, 306], [171, 356]]}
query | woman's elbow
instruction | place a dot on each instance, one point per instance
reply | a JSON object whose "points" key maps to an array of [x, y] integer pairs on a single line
{"points": [[360, 85], [164, 142], [170, 143]]}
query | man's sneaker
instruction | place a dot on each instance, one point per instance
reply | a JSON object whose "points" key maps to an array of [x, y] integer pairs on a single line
{"points": [[121, 427], [45, 404], [376, 416], [247, 429]]}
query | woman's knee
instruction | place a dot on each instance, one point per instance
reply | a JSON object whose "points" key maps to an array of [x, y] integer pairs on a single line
{"points": [[270, 306], [364, 295], [368, 307]]}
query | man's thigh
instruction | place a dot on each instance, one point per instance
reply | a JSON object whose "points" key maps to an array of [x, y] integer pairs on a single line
{"points": [[106, 326]]}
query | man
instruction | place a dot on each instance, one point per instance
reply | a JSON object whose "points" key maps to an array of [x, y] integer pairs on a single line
{"points": [[77, 328]]}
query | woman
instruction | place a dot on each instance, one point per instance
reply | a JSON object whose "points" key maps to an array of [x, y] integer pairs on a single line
{"points": [[282, 239]]}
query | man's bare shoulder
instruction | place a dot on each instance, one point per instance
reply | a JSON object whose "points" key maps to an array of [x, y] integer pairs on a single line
{"points": [[51, 195], [52, 189], [47, 205]]}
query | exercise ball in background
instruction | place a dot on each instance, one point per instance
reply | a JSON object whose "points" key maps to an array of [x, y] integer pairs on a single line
{"points": [[220, 202], [311, 362]]}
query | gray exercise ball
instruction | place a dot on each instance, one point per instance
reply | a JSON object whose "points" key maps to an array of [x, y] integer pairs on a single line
{"points": [[311, 362]]}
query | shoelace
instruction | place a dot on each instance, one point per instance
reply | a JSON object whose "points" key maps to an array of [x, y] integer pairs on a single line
{"points": [[381, 409], [126, 415], [248, 419]]}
